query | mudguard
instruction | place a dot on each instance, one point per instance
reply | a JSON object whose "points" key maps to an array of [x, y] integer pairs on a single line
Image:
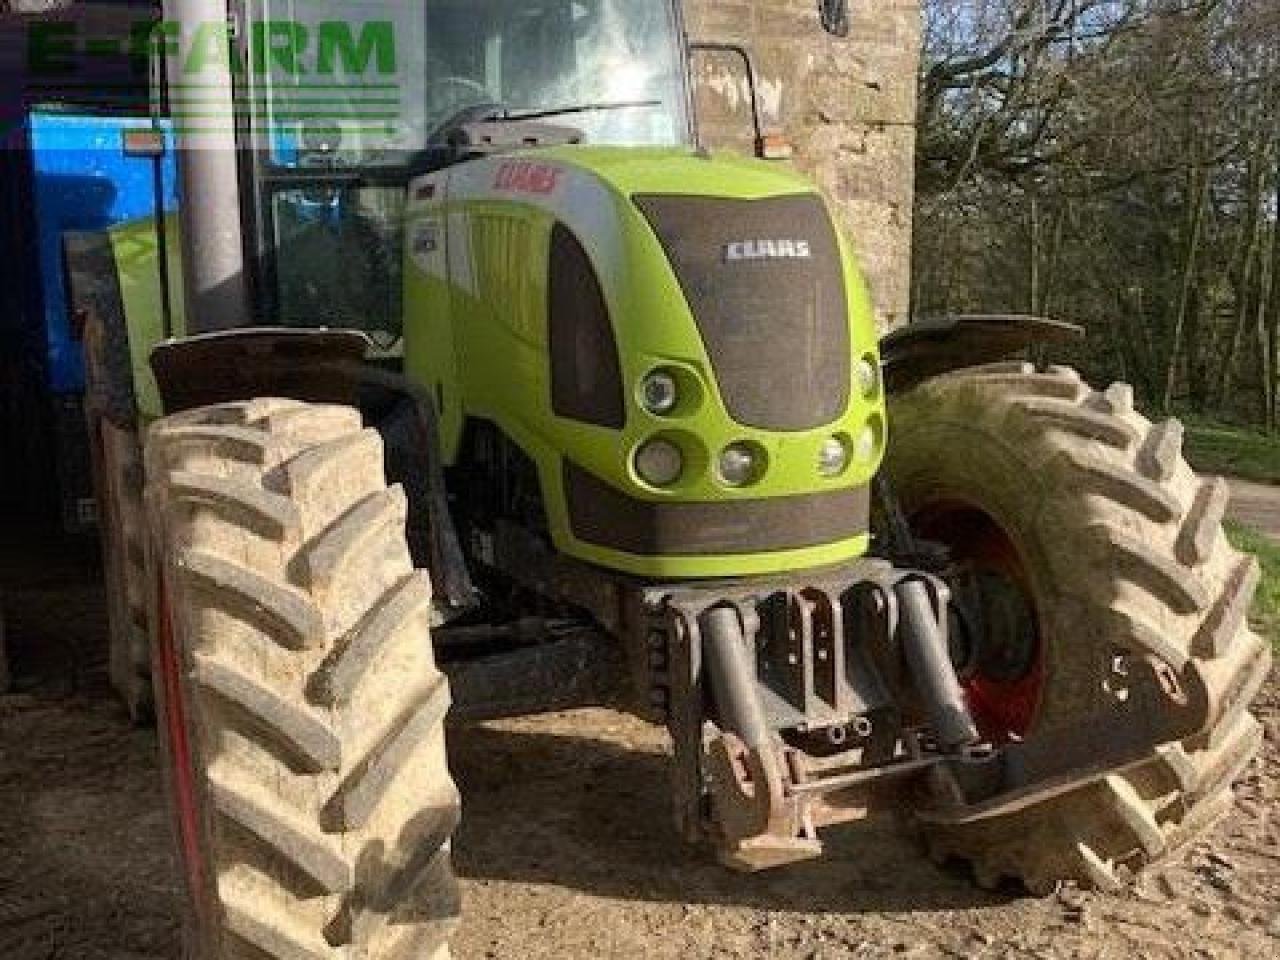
{"points": [[929, 347], [325, 366], [259, 362]]}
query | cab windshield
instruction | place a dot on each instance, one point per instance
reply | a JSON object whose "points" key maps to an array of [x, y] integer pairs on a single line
{"points": [[616, 59], [366, 83]]}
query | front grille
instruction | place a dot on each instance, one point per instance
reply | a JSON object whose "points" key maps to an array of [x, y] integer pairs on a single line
{"points": [[609, 518], [774, 321]]}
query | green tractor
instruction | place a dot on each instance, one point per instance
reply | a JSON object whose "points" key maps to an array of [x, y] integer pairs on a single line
{"points": [[647, 452]]}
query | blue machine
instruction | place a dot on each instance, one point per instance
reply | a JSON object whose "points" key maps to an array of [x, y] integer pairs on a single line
{"points": [[81, 179], [84, 181]]}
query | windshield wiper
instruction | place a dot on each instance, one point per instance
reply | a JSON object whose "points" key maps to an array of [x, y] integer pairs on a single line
{"points": [[517, 115]]}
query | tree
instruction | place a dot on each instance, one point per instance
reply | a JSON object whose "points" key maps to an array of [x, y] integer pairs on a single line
{"points": [[1115, 163]]}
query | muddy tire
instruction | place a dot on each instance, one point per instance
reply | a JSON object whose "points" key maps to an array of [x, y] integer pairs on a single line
{"points": [[116, 456], [301, 709], [1138, 599]]}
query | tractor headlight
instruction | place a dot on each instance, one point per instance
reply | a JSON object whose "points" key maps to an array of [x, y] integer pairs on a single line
{"points": [[659, 463], [833, 457], [867, 374], [741, 464], [659, 393]]}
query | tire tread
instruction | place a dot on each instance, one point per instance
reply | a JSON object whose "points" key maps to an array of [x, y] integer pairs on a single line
{"points": [[275, 527], [1144, 565]]}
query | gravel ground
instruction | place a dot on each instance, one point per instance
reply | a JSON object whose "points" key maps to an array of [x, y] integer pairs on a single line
{"points": [[567, 849]]}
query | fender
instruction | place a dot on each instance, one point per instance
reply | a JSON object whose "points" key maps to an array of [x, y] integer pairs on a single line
{"points": [[326, 366], [317, 366], [937, 345]]}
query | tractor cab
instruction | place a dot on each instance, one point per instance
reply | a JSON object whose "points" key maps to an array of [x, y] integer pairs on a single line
{"points": [[339, 108]]}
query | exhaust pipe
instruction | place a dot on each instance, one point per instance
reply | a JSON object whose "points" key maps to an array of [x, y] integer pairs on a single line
{"points": [[216, 291]]}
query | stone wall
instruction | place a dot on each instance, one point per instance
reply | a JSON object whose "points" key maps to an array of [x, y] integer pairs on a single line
{"points": [[847, 105]]}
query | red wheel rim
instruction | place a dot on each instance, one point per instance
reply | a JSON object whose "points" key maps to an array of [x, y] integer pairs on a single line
{"points": [[182, 774], [1004, 706], [1005, 710]]}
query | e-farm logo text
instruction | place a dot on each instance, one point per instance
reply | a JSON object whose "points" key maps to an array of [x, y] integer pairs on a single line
{"points": [[286, 71]]}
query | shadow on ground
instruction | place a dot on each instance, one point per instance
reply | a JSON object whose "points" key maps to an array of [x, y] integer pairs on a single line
{"points": [[551, 807]]}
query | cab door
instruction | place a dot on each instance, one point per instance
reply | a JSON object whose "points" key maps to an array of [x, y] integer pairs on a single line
{"points": [[330, 114]]}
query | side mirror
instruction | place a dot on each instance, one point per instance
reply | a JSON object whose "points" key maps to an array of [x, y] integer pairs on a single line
{"points": [[835, 16]]}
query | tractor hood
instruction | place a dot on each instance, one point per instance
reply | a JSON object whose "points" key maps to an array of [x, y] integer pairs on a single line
{"points": [[572, 274], [631, 171]]}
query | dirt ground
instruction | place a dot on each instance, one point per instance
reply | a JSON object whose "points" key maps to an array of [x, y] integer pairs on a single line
{"points": [[566, 850]]}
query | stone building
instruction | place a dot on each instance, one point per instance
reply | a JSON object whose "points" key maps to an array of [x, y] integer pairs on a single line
{"points": [[847, 104]]}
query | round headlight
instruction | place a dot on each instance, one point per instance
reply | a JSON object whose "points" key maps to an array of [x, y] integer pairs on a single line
{"points": [[867, 445], [659, 393], [833, 457], [659, 463], [868, 377], [740, 464]]}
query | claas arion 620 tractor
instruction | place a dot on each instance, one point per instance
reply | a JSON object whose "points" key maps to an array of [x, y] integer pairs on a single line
{"points": [[646, 452]]}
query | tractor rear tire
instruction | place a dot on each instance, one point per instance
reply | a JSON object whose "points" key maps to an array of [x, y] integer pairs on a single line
{"points": [[301, 710], [1126, 565], [116, 455]]}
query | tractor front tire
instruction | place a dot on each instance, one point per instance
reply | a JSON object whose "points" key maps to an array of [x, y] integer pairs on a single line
{"points": [[300, 707], [1132, 585]]}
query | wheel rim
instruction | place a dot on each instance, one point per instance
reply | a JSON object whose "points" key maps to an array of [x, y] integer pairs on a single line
{"points": [[997, 647], [182, 776]]}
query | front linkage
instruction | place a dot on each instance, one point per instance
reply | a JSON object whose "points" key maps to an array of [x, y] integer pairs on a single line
{"points": [[794, 708], [784, 715]]}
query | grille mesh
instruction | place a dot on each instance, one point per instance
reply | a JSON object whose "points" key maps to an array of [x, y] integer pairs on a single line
{"points": [[774, 320]]}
